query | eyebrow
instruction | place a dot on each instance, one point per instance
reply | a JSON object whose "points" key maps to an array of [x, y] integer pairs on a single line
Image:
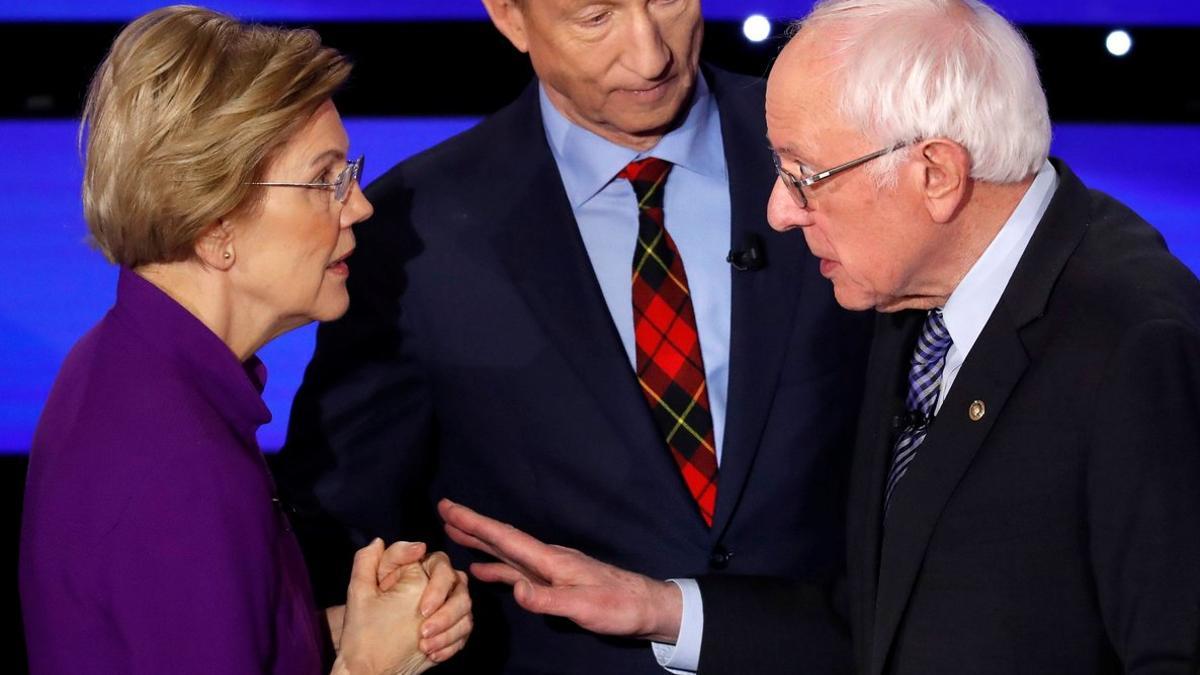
{"points": [[578, 5], [789, 150], [787, 154], [332, 153]]}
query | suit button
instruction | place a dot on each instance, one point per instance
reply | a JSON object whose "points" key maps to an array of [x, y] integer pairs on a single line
{"points": [[719, 558]]}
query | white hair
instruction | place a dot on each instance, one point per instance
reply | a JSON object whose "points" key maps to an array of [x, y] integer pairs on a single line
{"points": [[918, 69]]}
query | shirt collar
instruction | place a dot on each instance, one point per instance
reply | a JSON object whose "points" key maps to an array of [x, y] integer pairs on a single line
{"points": [[971, 304], [587, 162]]}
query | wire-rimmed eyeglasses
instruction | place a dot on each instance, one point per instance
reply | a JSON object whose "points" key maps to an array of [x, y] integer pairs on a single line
{"points": [[341, 185], [795, 186]]}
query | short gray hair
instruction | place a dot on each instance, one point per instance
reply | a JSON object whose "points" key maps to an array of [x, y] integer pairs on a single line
{"points": [[917, 69]]}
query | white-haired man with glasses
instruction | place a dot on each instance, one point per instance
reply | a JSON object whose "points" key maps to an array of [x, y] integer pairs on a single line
{"points": [[1025, 492]]}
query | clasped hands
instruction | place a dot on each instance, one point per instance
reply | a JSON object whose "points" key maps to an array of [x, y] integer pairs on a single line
{"points": [[405, 612]]}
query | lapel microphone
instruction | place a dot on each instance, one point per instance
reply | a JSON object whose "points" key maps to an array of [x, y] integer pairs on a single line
{"points": [[750, 257]]}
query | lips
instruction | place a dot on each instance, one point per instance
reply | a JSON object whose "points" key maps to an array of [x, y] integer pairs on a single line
{"points": [[646, 90], [654, 89], [340, 260]]}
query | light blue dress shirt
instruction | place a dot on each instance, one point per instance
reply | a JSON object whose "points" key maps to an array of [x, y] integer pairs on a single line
{"points": [[972, 302], [697, 214]]}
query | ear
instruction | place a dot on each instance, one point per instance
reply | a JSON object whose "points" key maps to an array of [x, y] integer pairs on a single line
{"points": [[946, 177], [509, 18], [215, 246]]}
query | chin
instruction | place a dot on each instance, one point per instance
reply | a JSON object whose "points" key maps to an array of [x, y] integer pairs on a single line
{"points": [[853, 299], [653, 118], [331, 309]]}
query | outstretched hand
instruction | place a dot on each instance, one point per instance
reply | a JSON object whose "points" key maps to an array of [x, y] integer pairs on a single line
{"points": [[560, 581]]}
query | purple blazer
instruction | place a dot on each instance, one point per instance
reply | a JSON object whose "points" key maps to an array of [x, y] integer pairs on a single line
{"points": [[150, 542]]}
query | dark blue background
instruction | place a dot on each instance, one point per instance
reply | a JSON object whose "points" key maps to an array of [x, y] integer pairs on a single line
{"points": [[56, 286]]}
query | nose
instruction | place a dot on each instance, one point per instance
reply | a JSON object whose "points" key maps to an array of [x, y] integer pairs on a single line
{"points": [[783, 213], [357, 208], [646, 53]]}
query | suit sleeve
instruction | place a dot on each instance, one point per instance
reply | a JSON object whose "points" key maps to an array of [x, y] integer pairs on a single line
{"points": [[766, 625], [190, 575], [356, 463], [1143, 487]]}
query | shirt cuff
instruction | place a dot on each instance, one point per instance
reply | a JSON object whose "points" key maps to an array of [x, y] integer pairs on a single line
{"points": [[683, 657]]}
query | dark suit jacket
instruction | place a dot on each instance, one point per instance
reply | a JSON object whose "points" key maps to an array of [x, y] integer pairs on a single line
{"points": [[1059, 533], [478, 361]]}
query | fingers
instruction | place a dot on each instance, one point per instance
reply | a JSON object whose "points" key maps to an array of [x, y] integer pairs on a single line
{"points": [[410, 573], [470, 541], [396, 556], [547, 600], [451, 623], [449, 642], [457, 606], [497, 573], [442, 580], [496, 538], [583, 606]]}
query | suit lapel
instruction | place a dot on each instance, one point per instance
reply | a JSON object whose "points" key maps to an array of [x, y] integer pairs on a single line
{"points": [[763, 301], [989, 374], [895, 335], [991, 371], [539, 243]]}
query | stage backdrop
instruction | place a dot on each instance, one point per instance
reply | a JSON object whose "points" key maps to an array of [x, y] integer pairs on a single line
{"points": [[56, 286]]}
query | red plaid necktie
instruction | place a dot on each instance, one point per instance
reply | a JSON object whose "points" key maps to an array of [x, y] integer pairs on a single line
{"points": [[670, 367]]}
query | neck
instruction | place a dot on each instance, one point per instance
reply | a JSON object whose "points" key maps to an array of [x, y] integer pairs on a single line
{"points": [[967, 236], [208, 295], [982, 220]]}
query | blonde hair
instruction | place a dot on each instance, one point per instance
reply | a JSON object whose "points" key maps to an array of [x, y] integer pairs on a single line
{"points": [[187, 108]]}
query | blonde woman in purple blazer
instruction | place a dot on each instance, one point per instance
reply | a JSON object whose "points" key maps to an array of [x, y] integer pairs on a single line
{"points": [[217, 177]]}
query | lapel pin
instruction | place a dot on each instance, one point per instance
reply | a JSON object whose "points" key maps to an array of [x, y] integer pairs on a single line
{"points": [[976, 410]]}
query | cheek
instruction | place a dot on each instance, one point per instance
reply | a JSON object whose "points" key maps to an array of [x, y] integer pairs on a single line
{"points": [[579, 67], [312, 254], [685, 35], [855, 251]]}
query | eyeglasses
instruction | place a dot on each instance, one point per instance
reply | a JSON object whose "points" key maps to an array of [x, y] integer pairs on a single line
{"points": [[341, 185], [795, 186]]}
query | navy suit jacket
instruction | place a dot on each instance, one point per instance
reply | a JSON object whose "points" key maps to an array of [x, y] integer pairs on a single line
{"points": [[478, 361], [1057, 533]]}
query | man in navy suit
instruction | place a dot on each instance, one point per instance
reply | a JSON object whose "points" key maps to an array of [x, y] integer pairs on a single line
{"points": [[544, 326], [1025, 492]]}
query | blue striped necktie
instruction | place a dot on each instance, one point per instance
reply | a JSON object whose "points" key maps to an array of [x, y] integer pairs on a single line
{"points": [[924, 384]]}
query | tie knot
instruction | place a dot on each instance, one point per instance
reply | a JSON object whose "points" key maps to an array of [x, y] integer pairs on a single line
{"points": [[934, 341], [647, 177]]}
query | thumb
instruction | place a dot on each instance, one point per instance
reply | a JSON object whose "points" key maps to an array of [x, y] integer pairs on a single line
{"points": [[366, 563]]}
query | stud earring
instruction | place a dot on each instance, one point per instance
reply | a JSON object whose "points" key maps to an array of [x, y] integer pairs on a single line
{"points": [[228, 255]]}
